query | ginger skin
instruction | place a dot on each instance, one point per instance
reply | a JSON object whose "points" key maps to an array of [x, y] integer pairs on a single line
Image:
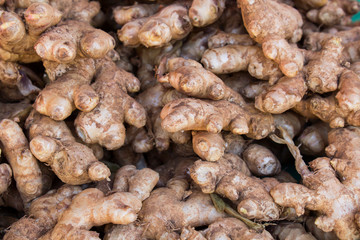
{"points": [[125, 14], [24, 166], [279, 24], [104, 124], [44, 213], [52, 142], [5, 177], [205, 12]]}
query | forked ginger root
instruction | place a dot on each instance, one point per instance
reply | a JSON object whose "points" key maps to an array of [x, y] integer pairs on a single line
{"points": [[96, 209], [276, 24], [52, 142], [43, 214], [26, 170]]}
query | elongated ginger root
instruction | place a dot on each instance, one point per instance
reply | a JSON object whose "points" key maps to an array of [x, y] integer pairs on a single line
{"points": [[43, 214], [261, 161], [5, 177], [229, 178], [53, 143], [205, 12], [197, 82], [73, 38], [222, 39], [278, 24], [322, 191], [170, 23], [282, 96], [125, 14], [234, 58], [25, 167], [157, 212], [213, 116], [225, 228], [104, 124], [18, 39], [96, 209]]}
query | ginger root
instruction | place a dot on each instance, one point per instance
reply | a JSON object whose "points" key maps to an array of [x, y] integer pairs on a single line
{"points": [[5, 177], [205, 12], [25, 167]]}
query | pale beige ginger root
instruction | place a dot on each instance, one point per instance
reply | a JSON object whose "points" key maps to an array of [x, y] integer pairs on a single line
{"points": [[279, 23], [104, 124], [138, 182], [205, 12], [5, 177], [261, 161], [214, 116], [70, 91], [53, 143], [43, 214], [200, 83], [128, 34], [73, 38], [25, 167], [18, 38], [282, 96], [193, 208], [323, 69], [230, 177], [125, 14], [322, 191], [335, 12], [196, 44], [314, 139], [291, 230], [170, 23], [121, 206], [235, 58], [225, 228], [222, 39]]}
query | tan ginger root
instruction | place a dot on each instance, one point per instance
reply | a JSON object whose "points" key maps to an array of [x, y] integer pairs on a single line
{"points": [[229, 177], [157, 212], [316, 232], [198, 82], [73, 38], [125, 14], [43, 214], [261, 161], [282, 96], [279, 23], [213, 116], [96, 209], [314, 139], [25, 167], [289, 230], [5, 177], [18, 39], [170, 23], [104, 124], [322, 191], [234, 58], [205, 12], [323, 68], [53, 143], [225, 228], [72, 90], [222, 39]]}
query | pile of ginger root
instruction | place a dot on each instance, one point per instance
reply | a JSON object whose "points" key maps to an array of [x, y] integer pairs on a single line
{"points": [[189, 120]]}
